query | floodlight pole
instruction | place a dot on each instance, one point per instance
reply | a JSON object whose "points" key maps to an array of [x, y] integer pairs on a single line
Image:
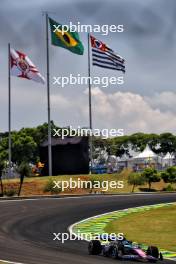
{"points": [[9, 113], [90, 107], [48, 100]]}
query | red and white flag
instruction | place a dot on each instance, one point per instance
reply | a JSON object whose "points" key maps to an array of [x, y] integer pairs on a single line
{"points": [[22, 66], [103, 56]]}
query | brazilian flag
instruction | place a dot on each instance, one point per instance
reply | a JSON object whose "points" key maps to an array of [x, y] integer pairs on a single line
{"points": [[65, 39]]}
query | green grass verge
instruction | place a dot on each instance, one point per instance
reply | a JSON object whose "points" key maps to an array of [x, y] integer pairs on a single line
{"points": [[153, 227], [2, 262]]}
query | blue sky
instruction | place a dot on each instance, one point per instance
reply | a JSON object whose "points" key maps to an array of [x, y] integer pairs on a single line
{"points": [[146, 101]]}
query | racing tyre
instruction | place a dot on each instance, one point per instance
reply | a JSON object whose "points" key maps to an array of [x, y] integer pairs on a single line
{"points": [[105, 253], [94, 247], [114, 253], [120, 253], [161, 256], [153, 251]]}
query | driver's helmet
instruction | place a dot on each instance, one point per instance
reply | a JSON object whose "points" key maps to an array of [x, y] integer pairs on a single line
{"points": [[126, 243]]}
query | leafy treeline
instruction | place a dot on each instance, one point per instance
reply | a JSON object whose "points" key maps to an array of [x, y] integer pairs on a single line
{"points": [[151, 175], [160, 144], [26, 142]]}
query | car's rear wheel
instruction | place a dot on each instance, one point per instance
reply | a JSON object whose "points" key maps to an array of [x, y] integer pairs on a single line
{"points": [[153, 251], [94, 247], [105, 252], [114, 253], [120, 253]]}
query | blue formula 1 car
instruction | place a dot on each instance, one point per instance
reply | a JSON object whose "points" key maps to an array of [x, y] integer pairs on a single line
{"points": [[124, 250]]}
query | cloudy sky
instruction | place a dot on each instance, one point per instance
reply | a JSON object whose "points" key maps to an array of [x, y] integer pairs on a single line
{"points": [[147, 100]]}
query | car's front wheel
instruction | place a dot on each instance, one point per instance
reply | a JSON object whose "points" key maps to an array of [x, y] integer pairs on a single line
{"points": [[161, 256], [153, 251]]}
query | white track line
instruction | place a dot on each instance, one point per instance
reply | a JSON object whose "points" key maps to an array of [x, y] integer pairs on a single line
{"points": [[10, 262], [77, 197]]}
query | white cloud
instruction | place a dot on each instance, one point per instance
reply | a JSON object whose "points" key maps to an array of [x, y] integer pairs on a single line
{"points": [[166, 101], [118, 110], [147, 70]]}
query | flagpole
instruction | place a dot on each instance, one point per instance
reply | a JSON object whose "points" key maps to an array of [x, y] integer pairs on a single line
{"points": [[90, 106], [48, 101], [9, 112]]}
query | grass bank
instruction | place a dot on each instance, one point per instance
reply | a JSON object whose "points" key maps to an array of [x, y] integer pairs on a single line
{"points": [[36, 185], [153, 227]]}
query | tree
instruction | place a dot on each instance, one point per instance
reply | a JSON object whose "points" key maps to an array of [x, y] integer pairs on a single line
{"points": [[23, 148], [24, 170], [151, 175], [167, 143], [2, 166], [4, 149], [25, 143], [169, 175], [136, 179]]}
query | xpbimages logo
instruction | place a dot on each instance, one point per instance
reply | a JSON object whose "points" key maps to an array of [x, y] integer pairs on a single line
{"points": [[88, 184], [102, 29], [81, 132], [62, 237], [104, 82]]}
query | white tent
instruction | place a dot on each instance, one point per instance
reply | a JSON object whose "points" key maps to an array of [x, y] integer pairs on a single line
{"points": [[168, 160], [168, 156], [147, 153], [147, 158]]}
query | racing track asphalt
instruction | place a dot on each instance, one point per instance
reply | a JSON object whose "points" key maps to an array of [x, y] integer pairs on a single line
{"points": [[26, 227]]}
